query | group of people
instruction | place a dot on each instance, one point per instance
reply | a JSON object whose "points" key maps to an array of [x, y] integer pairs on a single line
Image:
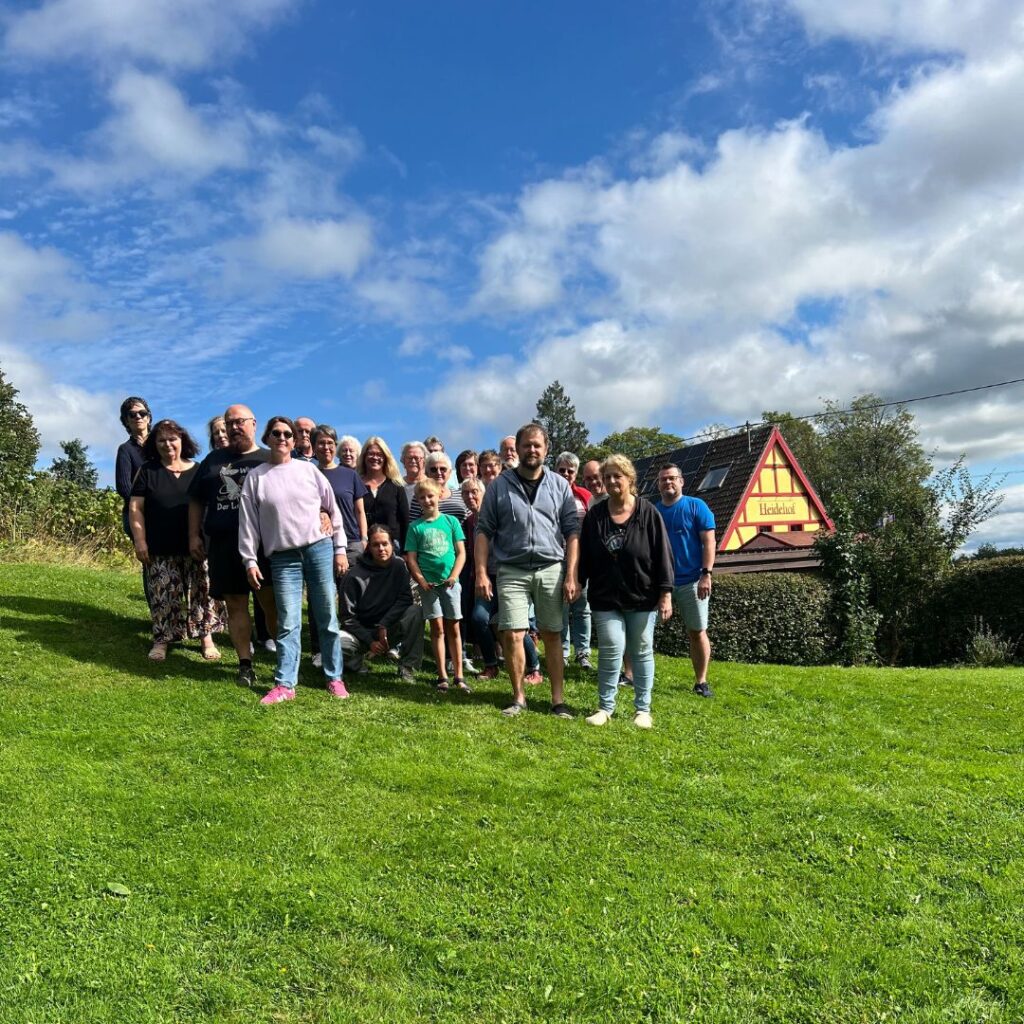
{"points": [[498, 543]]}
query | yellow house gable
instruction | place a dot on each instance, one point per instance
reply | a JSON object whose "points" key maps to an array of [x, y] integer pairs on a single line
{"points": [[778, 499]]}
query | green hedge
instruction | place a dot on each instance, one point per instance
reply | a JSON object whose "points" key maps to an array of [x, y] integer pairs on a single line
{"points": [[990, 589], [780, 618]]}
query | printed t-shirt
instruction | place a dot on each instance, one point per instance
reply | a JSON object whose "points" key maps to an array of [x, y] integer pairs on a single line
{"points": [[217, 486], [433, 541]]}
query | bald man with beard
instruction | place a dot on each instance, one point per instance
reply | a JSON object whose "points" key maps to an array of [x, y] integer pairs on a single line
{"points": [[214, 496]]}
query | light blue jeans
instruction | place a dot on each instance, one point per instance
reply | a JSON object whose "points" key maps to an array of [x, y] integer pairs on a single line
{"points": [[618, 633], [314, 564], [576, 623]]}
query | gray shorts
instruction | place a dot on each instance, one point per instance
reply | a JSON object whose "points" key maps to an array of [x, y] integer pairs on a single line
{"points": [[693, 610], [518, 587], [442, 602]]}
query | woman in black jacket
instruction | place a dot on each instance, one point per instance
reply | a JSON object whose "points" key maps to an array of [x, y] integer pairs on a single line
{"points": [[626, 558], [386, 502]]}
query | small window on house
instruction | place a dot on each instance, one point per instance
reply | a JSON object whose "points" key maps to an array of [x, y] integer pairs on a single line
{"points": [[764, 529], [714, 478], [797, 527]]}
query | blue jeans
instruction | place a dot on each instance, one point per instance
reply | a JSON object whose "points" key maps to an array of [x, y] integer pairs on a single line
{"points": [[617, 633], [576, 623], [314, 564], [481, 626]]}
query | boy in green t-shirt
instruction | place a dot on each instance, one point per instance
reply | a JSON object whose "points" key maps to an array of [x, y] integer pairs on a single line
{"points": [[435, 551]]}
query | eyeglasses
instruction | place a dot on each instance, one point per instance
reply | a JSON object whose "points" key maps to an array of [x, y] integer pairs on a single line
{"points": [[375, 455], [281, 435], [438, 471], [137, 414], [565, 471], [238, 421]]}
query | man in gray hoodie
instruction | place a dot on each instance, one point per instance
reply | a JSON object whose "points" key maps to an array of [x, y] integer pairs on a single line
{"points": [[529, 518]]}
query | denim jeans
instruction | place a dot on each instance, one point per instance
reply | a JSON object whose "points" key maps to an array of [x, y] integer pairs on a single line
{"points": [[314, 564], [576, 624], [618, 633]]}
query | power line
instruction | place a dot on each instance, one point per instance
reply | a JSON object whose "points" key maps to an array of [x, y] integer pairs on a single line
{"points": [[874, 405]]}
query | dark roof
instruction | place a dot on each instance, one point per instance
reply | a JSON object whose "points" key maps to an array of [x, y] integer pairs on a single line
{"points": [[740, 452], [776, 541]]}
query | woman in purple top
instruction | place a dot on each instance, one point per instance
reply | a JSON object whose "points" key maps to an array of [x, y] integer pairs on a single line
{"points": [[280, 507]]}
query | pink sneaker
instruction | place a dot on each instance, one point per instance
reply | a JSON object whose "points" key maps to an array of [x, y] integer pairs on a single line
{"points": [[336, 688], [278, 694]]}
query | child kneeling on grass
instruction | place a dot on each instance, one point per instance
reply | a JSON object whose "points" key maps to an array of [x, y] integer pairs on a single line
{"points": [[435, 551]]}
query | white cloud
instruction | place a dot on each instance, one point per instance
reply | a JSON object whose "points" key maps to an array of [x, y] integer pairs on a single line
{"points": [[154, 132], [959, 26], [1006, 527], [310, 249], [783, 270], [184, 34]]}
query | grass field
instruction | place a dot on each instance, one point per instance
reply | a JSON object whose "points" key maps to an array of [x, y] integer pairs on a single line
{"points": [[812, 845]]}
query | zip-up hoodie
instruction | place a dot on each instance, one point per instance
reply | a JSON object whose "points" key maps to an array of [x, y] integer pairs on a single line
{"points": [[638, 573], [524, 535], [374, 595]]}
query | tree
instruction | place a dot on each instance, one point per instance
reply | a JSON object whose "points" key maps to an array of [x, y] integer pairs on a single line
{"points": [[19, 448], [75, 467], [903, 523], [557, 415], [635, 443]]}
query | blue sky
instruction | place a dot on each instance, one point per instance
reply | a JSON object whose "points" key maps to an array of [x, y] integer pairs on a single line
{"points": [[410, 218]]}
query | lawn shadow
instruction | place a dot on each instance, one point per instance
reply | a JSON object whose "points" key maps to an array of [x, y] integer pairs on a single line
{"points": [[387, 684], [92, 635]]}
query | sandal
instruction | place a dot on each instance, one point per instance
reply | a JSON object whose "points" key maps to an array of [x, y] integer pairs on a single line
{"points": [[158, 652], [441, 685], [210, 653], [562, 711], [460, 685], [515, 708]]}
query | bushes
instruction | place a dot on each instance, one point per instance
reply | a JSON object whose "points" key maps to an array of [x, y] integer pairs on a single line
{"points": [[974, 602], [782, 618]]}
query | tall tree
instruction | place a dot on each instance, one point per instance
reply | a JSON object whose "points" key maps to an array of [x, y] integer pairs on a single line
{"points": [[557, 415], [635, 443], [19, 448], [74, 467]]}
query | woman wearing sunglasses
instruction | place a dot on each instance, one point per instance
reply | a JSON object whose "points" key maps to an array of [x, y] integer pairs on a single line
{"points": [[280, 508], [439, 469]]}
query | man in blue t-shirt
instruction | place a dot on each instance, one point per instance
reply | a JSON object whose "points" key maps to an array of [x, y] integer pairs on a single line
{"points": [[691, 532]]}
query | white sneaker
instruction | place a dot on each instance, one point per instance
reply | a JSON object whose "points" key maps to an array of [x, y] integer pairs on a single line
{"points": [[394, 655], [468, 668], [318, 661], [269, 645], [599, 717], [643, 720]]}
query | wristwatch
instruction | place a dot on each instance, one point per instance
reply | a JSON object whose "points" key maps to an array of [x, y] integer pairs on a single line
{"points": [[705, 572]]}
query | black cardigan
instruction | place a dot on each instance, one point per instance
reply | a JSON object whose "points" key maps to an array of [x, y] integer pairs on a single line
{"points": [[390, 507], [635, 577]]}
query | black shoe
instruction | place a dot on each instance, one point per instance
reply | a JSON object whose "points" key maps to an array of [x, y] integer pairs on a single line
{"points": [[246, 676], [702, 689]]}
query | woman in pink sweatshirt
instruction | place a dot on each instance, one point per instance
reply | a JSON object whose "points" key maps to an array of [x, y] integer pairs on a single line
{"points": [[281, 507]]}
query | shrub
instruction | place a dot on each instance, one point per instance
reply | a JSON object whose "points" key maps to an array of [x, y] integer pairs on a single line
{"points": [[781, 618], [947, 621], [989, 649], [79, 516]]}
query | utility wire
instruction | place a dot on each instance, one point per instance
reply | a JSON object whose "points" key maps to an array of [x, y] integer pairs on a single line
{"points": [[874, 405]]}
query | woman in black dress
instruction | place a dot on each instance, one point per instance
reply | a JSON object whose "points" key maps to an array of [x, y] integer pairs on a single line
{"points": [[180, 602]]}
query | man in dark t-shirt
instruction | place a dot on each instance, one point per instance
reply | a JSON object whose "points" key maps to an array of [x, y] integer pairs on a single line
{"points": [[214, 496]]}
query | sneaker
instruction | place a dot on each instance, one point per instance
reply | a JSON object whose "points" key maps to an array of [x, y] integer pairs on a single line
{"points": [[583, 660], [624, 680], [599, 717], [246, 675], [278, 694], [394, 654], [489, 672], [562, 711], [515, 708], [702, 689], [643, 720], [336, 688], [318, 660], [533, 678], [270, 646], [469, 668], [406, 675]]}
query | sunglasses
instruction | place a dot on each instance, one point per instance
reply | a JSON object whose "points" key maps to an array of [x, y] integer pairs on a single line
{"points": [[438, 471], [138, 414], [281, 435]]}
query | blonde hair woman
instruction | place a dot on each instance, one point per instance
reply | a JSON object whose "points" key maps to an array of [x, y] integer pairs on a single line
{"points": [[386, 503]]}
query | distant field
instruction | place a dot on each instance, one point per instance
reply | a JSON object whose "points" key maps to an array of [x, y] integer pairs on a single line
{"points": [[812, 845]]}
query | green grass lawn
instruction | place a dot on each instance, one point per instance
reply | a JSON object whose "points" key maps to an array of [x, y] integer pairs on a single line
{"points": [[811, 845]]}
